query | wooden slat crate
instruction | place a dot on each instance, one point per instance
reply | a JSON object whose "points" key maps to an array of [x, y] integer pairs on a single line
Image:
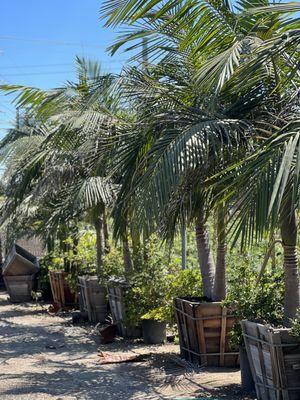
{"points": [[61, 292], [19, 287], [20, 262], [274, 356], [116, 292], [94, 298], [204, 333]]}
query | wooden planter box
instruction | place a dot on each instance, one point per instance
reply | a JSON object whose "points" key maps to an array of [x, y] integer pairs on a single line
{"points": [[61, 291], [93, 298], [20, 262], [204, 333], [19, 287], [274, 356], [116, 292]]}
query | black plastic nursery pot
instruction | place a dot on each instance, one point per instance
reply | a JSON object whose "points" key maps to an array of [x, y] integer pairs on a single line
{"points": [[154, 332], [274, 357]]}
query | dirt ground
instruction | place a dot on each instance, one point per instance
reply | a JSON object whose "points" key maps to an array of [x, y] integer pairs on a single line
{"points": [[45, 357]]}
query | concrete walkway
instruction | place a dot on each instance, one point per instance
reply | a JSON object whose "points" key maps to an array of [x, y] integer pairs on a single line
{"points": [[45, 357]]}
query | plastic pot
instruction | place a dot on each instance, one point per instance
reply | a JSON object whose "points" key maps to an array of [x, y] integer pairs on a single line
{"points": [[154, 332]]}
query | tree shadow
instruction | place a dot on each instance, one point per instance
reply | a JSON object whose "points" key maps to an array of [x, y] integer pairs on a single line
{"points": [[64, 363]]}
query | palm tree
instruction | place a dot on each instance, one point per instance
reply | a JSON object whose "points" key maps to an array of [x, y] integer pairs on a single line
{"points": [[267, 184], [161, 178], [56, 172], [245, 60]]}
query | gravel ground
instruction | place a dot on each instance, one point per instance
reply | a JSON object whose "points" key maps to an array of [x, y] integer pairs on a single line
{"points": [[45, 357]]}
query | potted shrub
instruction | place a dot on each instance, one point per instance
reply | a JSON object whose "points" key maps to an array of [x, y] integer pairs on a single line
{"points": [[154, 329], [154, 287], [92, 279], [117, 286], [255, 301], [146, 298], [203, 321]]}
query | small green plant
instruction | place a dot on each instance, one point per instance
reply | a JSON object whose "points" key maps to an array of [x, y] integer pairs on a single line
{"points": [[36, 296]]}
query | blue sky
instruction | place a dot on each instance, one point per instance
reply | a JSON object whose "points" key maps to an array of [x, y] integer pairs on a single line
{"points": [[40, 39]]}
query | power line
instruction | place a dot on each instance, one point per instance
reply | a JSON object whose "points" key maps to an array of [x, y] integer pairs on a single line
{"points": [[52, 42], [42, 73], [34, 66], [56, 65]]}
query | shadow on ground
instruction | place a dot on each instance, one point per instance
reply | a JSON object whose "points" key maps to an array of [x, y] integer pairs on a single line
{"points": [[44, 357]]}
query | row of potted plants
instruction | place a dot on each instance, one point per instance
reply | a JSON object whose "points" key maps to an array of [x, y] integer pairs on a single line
{"points": [[209, 332]]}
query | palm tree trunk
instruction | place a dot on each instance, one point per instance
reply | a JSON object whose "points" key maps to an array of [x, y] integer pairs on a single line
{"points": [[183, 245], [106, 233], [219, 292], [137, 255], [1, 252], [98, 223], [127, 257], [291, 272], [205, 257]]}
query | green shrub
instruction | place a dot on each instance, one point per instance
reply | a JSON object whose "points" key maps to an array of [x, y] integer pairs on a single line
{"points": [[159, 280], [262, 302], [113, 264]]}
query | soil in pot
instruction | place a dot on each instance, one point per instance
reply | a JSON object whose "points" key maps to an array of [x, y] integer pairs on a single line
{"points": [[154, 332]]}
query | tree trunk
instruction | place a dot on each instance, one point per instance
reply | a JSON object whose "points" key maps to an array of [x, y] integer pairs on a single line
{"points": [[98, 223], [1, 252], [137, 254], [219, 292], [183, 245], [105, 233], [127, 257], [291, 273], [205, 257]]}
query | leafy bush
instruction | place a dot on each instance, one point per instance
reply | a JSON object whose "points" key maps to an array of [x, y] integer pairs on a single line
{"points": [[113, 264], [262, 302], [157, 283], [82, 259]]}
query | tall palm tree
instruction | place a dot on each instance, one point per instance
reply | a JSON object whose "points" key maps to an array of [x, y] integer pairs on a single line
{"points": [[217, 40], [56, 172], [267, 188], [161, 177]]}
